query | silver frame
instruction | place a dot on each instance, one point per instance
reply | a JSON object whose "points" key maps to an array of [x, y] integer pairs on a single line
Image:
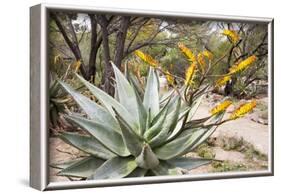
{"points": [[39, 173]]}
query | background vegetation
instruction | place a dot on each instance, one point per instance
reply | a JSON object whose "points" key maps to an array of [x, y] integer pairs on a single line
{"points": [[88, 42]]}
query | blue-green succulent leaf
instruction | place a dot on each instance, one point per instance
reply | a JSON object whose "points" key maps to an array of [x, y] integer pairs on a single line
{"points": [[126, 94], [108, 137], [151, 95], [83, 168], [180, 145], [115, 168], [88, 144], [132, 140], [110, 103], [188, 163], [92, 109]]}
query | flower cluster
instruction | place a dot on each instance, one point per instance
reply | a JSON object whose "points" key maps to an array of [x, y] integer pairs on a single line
{"points": [[222, 81], [232, 35], [242, 65], [146, 58], [187, 52], [202, 57], [169, 77], [189, 74], [243, 109], [235, 69], [221, 107]]}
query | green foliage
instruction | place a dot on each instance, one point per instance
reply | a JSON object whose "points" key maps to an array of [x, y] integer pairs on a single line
{"points": [[227, 166], [240, 145], [127, 134], [205, 151]]}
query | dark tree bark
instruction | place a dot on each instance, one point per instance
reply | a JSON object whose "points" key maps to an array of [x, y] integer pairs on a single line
{"points": [[120, 40], [108, 72], [94, 48]]}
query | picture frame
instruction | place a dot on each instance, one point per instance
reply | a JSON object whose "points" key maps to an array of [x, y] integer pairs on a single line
{"points": [[39, 103]]}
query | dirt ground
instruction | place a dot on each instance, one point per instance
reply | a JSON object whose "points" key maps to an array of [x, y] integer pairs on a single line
{"points": [[246, 128], [251, 131]]}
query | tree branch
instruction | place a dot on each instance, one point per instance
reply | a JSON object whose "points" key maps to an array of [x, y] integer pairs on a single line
{"points": [[72, 45]]}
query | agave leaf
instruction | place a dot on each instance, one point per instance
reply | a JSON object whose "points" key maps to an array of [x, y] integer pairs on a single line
{"points": [[92, 109], [148, 120], [54, 88], [210, 130], [178, 127], [166, 96], [194, 107], [161, 112], [138, 172], [110, 103], [66, 164], [115, 168], [132, 141], [142, 115], [179, 145], [116, 95], [168, 127], [156, 128], [183, 111], [196, 123], [188, 163], [174, 99], [136, 84], [147, 158], [126, 93], [83, 169], [88, 144], [151, 95], [165, 168], [108, 137]]}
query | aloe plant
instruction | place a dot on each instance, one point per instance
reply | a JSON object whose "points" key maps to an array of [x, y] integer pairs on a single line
{"points": [[134, 135]]}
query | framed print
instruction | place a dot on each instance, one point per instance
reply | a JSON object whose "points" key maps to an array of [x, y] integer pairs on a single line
{"points": [[121, 97]]}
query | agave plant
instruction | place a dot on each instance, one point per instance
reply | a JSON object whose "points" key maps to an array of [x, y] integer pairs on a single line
{"points": [[132, 135], [56, 103]]}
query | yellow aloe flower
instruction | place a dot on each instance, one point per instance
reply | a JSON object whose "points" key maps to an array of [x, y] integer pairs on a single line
{"points": [[77, 65], [232, 35], [201, 61], [222, 81], [169, 77], [208, 54], [243, 109], [201, 58], [187, 52], [243, 64], [221, 107], [189, 74], [146, 58]]}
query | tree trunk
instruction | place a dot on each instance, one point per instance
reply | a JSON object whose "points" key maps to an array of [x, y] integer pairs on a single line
{"points": [[94, 49], [108, 71], [120, 40]]}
